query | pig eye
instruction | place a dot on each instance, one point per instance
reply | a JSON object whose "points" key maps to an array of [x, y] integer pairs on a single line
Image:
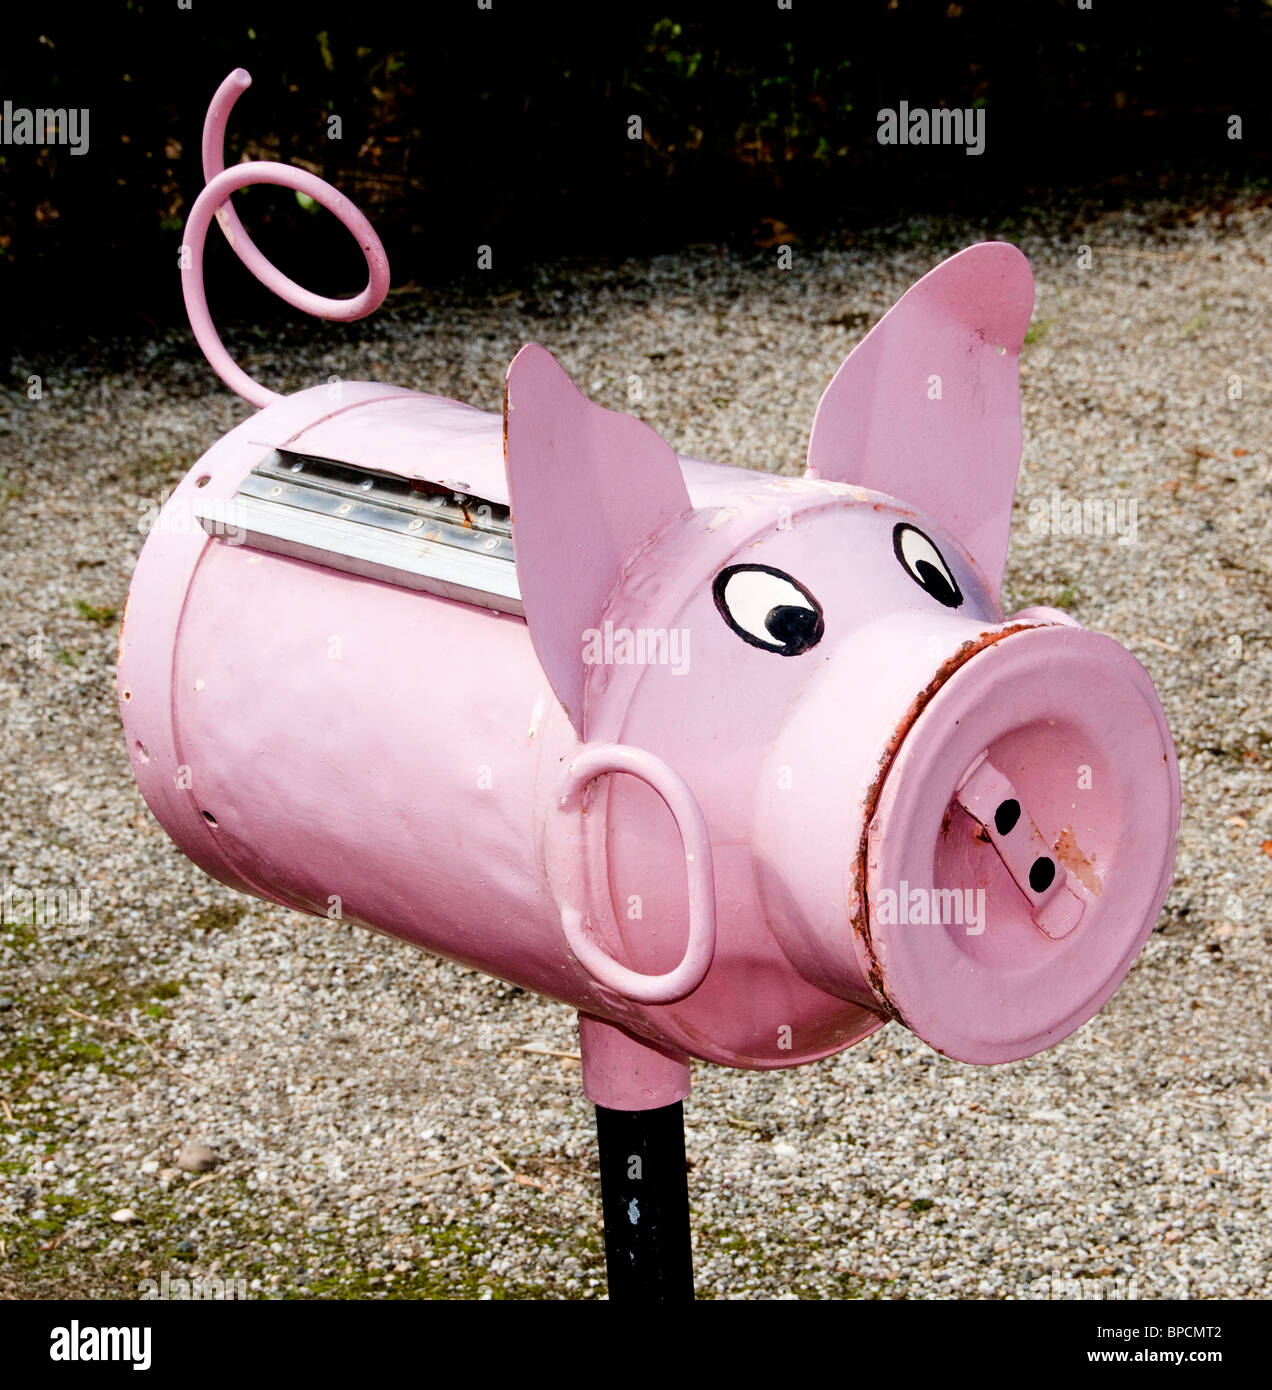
{"points": [[925, 566], [768, 609]]}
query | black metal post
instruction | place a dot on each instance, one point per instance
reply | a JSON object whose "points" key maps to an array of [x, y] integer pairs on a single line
{"points": [[645, 1202]]}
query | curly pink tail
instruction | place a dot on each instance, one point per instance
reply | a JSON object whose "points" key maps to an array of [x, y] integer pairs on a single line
{"points": [[215, 201]]}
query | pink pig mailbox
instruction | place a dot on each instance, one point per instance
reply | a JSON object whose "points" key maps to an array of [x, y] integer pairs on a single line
{"points": [[739, 766]]}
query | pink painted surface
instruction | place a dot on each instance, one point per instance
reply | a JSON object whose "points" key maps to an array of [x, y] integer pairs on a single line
{"points": [[927, 407], [621, 1072], [1071, 724], [705, 851], [609, 470]]}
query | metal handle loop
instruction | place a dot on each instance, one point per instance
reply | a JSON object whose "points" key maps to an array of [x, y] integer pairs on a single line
{"points": [[699, 952]]}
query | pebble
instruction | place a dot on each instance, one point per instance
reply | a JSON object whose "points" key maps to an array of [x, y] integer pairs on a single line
{"points": [[196, 1157]]}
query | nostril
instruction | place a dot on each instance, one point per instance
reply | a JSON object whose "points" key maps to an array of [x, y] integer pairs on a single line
{"points": [[1041, 874], [1003, 820]]}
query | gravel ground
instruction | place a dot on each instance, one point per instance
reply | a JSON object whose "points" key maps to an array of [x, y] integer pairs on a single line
{"points": [[383, 1124]]}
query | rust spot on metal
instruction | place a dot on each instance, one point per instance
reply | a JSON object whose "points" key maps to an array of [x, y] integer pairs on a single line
{"points": [[860, 920], [981, 834], [874, 978], [945, 822], [1078, 864], [119, 649]]}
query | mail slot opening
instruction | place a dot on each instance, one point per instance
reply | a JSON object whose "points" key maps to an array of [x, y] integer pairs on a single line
{"points": [[420, 534]]}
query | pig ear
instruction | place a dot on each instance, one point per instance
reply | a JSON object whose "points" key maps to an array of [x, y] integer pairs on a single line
{"points": [[927, 406], [588, 488]]}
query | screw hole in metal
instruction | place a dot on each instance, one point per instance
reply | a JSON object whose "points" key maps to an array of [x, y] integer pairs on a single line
{"points": [[1006, 816], [209, 817]]}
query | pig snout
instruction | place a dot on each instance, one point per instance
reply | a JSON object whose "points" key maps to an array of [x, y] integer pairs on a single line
{"points": [[1008, 841]]}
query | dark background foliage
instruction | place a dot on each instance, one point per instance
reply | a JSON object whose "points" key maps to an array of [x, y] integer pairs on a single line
{"points": [[509, 127]]}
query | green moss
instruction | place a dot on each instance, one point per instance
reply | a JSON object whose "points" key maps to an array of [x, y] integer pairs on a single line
{"points": [[64, 1253], [779, 1253], [451, 1267], [218, 917], [19, 936], [223, 1227], [50, 1051], [46, 1037], [1197, 322], [101, 614]]}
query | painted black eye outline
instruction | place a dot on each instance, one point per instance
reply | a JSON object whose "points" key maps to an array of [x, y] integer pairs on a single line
{"points": [[793, 628], [935, 579]]}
